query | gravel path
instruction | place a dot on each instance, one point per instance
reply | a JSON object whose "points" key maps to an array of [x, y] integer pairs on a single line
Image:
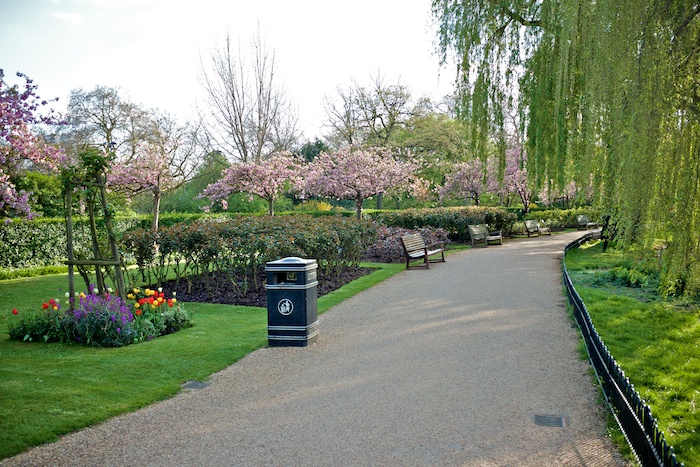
{"points": [[448, 366]]}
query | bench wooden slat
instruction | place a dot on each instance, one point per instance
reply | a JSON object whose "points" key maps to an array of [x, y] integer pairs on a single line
{"points": [[481, 232], [414, 248]]}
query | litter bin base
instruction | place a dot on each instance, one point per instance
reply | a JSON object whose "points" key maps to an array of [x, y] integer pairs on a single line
{"points": [[292, 336]]}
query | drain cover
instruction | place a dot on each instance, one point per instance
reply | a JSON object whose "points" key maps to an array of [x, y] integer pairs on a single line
{"points": [[549, 420], [195, 385]]}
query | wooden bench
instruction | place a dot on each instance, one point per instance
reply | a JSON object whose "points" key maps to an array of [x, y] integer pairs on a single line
{"points": [[481, 232], [415, 248], [584, 223], [533, 227]]}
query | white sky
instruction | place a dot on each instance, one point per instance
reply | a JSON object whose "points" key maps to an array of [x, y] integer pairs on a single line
{"points": [[150, 49]]}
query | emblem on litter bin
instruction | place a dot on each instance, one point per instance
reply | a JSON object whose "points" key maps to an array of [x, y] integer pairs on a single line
{"points": [[285, 307]]}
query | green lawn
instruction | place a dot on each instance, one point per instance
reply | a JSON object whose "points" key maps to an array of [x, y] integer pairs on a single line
{"points": [[47, 390], [655, 342]]}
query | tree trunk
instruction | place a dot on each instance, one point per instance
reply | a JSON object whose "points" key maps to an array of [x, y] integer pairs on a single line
{"points": [[271, 207], [358, 208], [156, 211], [380, 200]]}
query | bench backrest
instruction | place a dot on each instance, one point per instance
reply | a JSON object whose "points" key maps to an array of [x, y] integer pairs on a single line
{"points": [[532, 225], [412, 242], [478, 230]]}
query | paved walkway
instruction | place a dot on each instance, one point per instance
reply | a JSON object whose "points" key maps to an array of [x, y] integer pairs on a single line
{"points": [[448, 366]]}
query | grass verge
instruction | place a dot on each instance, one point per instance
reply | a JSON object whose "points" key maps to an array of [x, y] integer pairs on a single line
{"points": [[653, 340], [48, 390]]}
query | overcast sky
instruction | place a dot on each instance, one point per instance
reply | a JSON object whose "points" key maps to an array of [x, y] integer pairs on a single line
{"points": [[151, 49]]}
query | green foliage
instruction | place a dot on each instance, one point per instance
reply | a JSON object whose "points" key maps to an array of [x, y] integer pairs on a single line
{"points": [[312, 149], [454, 220], [47, 193], [609, 99]]}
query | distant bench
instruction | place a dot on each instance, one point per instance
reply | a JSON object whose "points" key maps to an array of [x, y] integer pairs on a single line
{"points": [[584, 223], [481, 232], [533, 227], [415, 248]]}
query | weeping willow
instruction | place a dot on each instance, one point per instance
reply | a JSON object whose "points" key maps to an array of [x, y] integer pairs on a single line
{"points": [[608, 93]]}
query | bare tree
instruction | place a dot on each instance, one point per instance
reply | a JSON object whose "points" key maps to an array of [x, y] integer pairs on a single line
{"points": [[369, 115], [103, 116], [344, 120], [248, 115]]}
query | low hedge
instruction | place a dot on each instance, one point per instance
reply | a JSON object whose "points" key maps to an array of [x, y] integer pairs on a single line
{"points": [[453, 220], [240, 248]]}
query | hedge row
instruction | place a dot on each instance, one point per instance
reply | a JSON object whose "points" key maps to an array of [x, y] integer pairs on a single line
{"points": [[42, 242], [239, 248], [454, 220]]}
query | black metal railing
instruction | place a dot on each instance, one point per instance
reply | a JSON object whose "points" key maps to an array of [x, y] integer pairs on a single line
{"points": [[632, 414]]}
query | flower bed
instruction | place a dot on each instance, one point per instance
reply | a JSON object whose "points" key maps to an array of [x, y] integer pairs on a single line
{"points": [[102, 320]]}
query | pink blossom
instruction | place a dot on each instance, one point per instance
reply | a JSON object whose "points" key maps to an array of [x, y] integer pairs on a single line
{"points": [[19, 145], [358, 174], [267, 179]]}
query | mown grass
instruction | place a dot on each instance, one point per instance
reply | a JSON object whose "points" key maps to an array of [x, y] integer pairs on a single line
{"points": [[655, 342], [47, 390]]}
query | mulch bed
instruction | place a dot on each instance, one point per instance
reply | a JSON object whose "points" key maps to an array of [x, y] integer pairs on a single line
{"points": [[222, 289]]}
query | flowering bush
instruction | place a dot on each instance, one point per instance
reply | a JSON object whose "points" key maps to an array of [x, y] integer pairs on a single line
{"points": [[102, 320]]}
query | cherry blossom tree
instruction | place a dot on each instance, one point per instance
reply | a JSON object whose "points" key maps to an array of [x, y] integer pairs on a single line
{"points": [[353, 173], [469, 180], [162, 160], [20, 146], [515, 178], [267, 179]]}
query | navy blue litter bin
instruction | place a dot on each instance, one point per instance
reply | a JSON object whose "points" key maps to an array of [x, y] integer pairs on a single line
{"points": [[292, 296]]}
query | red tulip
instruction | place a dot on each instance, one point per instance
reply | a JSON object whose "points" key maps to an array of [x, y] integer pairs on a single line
{"points": [[45, 306], [14, 311]]}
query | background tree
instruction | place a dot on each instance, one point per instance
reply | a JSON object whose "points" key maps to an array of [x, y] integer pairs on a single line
{"points": [[469, 181], [358, 174], [248, 115], [515, 179], [369, 115], [102, 116], [21, 149], [161, 162], [310, 150], [266, 179], [185, 197]]}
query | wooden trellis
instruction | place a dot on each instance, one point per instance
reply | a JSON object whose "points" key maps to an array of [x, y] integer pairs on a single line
{"points": [[95, 180]]}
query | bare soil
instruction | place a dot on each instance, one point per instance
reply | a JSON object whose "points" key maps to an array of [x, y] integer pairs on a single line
{"points": [[220, 288]]}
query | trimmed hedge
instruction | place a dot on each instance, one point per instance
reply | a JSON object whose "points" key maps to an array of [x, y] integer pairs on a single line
{"points": [[454, 220], [42, 242], [239, 248]]}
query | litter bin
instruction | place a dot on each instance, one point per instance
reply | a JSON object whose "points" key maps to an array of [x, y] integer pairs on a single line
{"points": [[292, 295]]}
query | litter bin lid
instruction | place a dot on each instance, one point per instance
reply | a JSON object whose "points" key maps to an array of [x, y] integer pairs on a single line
{"points": [[292, 262]]}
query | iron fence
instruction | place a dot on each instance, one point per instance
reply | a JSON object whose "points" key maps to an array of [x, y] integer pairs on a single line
{"points": [[633, 416]]}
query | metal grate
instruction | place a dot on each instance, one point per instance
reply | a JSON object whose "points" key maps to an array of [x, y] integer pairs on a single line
{"points": [[549, 420], [194, 385]]}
